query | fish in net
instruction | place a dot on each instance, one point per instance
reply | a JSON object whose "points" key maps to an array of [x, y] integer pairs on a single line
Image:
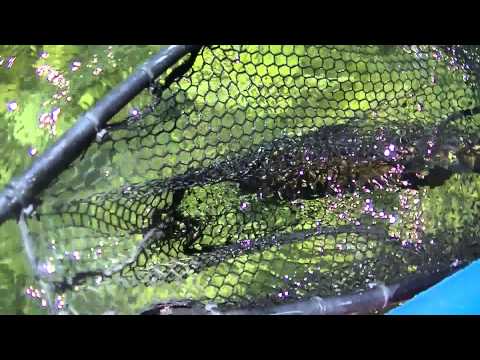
{"points": [[271, 179]]}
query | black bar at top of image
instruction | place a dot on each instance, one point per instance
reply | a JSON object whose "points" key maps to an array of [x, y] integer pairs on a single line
{"points": [[23, 190]]}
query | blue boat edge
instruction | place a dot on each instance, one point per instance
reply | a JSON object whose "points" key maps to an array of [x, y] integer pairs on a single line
{"points": [[458, 294]]}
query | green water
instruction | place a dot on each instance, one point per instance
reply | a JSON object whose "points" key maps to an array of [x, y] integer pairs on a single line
{"points": [[55, 84], [48, 83]]}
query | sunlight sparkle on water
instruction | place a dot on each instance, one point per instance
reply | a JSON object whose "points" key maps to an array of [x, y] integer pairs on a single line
{"points": [[32, 151], [59, 302], [135, 112], [10, 62], [12, 106], [75, 65], [50, 268], [244, 206]]}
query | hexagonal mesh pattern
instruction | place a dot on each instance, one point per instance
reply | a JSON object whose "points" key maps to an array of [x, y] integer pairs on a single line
{"points": [[269, 174]]}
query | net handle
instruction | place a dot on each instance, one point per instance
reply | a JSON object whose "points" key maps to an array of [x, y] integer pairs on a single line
{"points": [[22, 191]]}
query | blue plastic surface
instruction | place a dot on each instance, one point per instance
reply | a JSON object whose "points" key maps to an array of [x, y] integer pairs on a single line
{"points": [[458, 294]]}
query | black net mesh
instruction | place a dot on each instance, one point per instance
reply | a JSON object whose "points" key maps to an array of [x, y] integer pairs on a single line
{"points": [[270, 175]]}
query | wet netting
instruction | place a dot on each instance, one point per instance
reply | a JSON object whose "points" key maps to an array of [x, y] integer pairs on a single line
{"points": [[271, 180]]}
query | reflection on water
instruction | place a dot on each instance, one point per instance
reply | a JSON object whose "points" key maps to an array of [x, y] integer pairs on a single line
{"points": [[43, 89]]}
